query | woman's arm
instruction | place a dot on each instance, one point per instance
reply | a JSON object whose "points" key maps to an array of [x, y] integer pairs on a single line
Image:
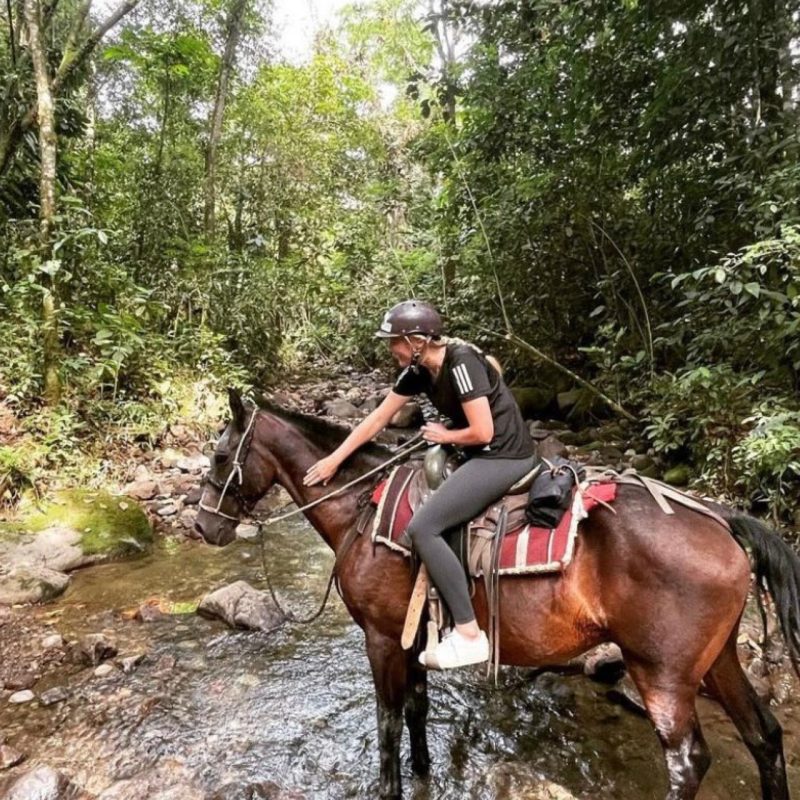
{"points": [[479, 431], [365, 431]]}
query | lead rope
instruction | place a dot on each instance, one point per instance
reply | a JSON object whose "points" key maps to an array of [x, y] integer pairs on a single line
{"points": [[409, 447]]}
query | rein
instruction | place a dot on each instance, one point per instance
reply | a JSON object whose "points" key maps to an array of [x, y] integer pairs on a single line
{"points": [[413, 444], [236, 471]]}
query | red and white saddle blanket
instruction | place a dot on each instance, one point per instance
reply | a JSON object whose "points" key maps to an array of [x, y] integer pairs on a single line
{"points": [[524, 550]]}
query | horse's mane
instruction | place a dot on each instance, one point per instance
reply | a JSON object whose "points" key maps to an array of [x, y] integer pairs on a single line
{"points": [[326, 433]]}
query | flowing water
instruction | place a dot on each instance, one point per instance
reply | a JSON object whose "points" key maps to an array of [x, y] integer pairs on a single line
{"points": [[215, 706]]}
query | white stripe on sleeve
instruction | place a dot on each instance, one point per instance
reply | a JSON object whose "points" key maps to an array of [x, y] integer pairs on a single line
{"points": [[459, 381], [466, 381]]}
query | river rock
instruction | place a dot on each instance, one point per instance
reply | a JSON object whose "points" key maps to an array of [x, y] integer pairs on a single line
{"points": [[44, 783], [343, 409], [371, 403], [168, 510], [10, 757], [30, 583], [407, 416], [141, 490], [604, 664], [52, 642], [551, 447], [96, 647], [129, 663], [20, 679], [25, 696], [55, 695], [170, 780], [247, 532], [194, 463], [104, 670], [242, 606], [188, 517], [75, 529]]}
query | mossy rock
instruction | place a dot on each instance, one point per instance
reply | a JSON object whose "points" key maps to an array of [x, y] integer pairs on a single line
{"points": [[677, 476], [532, 400], [99, 525]]}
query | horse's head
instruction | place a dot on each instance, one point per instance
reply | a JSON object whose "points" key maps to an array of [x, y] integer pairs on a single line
{"points": [[239, 476]]}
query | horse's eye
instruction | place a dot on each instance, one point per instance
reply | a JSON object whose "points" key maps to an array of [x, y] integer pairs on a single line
{"points": [[221, 457]]}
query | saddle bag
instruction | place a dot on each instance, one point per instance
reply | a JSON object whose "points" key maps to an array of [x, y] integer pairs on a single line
{"points": [[551, 492]]}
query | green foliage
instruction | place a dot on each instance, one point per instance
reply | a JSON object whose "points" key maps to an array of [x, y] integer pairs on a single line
{"points": [[768, 460]]}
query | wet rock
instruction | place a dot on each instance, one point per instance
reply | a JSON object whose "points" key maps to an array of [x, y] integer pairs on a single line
{"points": [[150, 611], [31, 583], [96, 647], [103, 671], [677, 476], [611, 453], [52, 642], [408, 416], [25, 696], [44, 783], [129, 663], [627, 695], [547, 790], [194, 464], [242, 606], [170, 780], [371, 403], [605, 664], [187, 518], [244, 531], [10, 757], [168, 510], [21, 679], [55, 695], [141, 490]]}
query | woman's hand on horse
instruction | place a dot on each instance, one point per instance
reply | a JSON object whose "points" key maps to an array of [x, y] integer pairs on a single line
{"points": [[436, 433], [321, 472]]}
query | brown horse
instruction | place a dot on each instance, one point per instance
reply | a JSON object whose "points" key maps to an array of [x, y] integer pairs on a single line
{"points": [[669, 590]]}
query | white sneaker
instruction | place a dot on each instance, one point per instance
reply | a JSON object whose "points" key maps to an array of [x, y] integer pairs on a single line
{"points": [[456, 650]]}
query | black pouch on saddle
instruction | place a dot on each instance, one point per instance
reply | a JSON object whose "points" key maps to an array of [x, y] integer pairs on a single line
{"points": [[551, 492]]}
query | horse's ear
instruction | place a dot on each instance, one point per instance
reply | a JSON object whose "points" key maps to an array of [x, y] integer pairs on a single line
{"points": [[237, 407]]}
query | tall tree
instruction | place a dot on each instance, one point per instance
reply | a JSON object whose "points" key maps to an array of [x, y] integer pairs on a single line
{"points": [[233, 31], [47, 197]]}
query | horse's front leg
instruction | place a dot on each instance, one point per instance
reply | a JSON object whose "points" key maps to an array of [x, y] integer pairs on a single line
{"points": [[389, 672]]}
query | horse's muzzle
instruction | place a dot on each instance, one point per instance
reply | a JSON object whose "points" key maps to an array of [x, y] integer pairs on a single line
{"points": [[215, 530]]}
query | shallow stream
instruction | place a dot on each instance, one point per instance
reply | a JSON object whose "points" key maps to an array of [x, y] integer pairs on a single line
{"points": [[215, 706]]}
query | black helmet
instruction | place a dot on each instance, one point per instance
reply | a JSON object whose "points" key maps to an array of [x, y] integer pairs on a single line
{"points": [[408, 318]]}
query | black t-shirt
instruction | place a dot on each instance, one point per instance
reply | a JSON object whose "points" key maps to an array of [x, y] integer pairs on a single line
{"points": [[466, 375]]}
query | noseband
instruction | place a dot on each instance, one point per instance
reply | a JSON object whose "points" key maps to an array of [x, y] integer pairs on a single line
{"points": [[236, 470]]}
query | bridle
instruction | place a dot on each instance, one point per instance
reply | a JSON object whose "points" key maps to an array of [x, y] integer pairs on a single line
{"points": [[236, 470]]}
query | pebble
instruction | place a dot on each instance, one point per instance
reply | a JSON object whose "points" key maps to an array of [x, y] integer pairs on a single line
{"points": [[9, 757], [103, 670], [246, 531], [168, 510], [53, 696], [52, 642], [129, 663], [24, 696]]}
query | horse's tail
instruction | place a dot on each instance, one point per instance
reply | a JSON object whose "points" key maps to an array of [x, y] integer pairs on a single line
{"points": [[777, 570]]}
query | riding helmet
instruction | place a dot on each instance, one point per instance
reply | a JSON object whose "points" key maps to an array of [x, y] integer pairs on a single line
{"points": [[408, 318]]}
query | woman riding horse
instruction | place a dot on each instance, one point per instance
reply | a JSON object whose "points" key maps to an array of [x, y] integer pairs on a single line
{"points": [[487, 426]]}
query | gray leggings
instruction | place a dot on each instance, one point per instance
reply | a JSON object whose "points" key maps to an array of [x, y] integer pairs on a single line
{"points": [[467, 492]]}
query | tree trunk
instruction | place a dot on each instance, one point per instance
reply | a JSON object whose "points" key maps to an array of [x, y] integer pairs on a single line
{"points": [[47, 201], [233, 33]]}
